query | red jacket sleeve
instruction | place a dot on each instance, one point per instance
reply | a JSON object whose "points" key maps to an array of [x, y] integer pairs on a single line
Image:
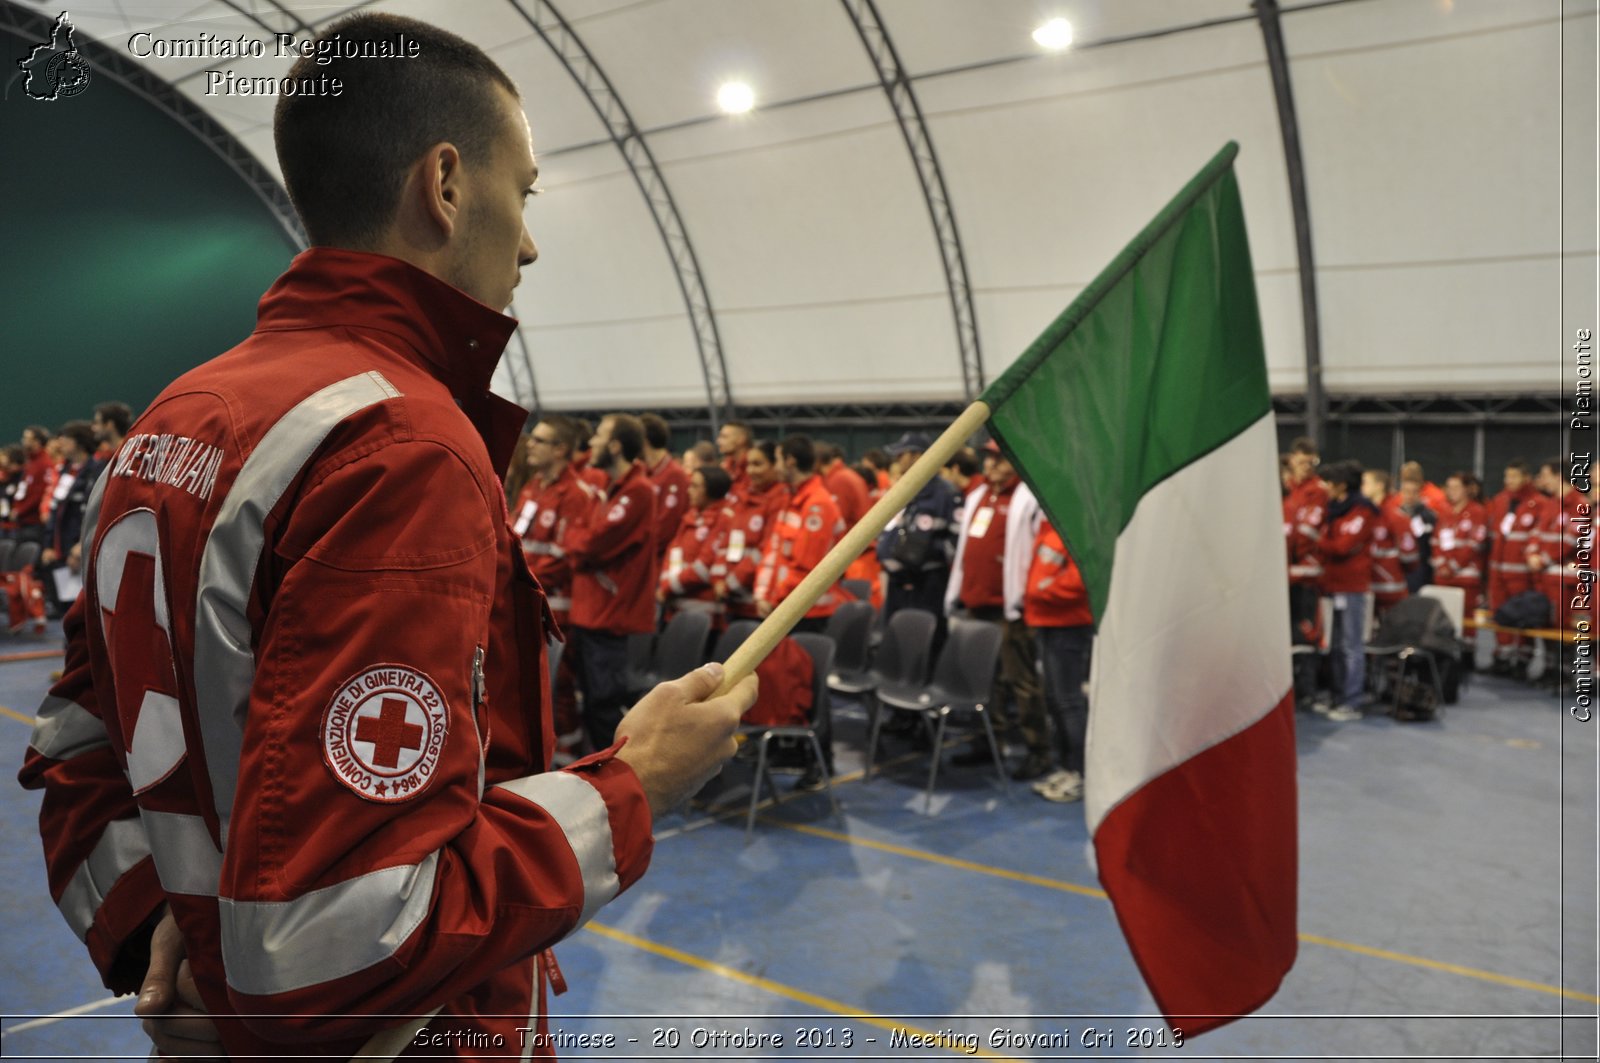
{"points": [[615, 525], [344, 897], [1346, 537], [820, 528], [97, 855]]}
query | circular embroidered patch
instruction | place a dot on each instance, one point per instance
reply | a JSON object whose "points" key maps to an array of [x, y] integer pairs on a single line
{"points": [[547, 518], [756, 522], [383, 732], [813, 524]]}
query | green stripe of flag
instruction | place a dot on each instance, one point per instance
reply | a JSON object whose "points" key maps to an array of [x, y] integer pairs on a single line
{"points": [[1155, 364]]}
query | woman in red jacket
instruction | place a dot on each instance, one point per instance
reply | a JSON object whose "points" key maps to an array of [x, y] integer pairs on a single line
{"points": [[702, 537]]}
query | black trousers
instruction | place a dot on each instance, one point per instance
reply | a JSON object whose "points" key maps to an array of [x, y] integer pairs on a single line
{"points": [[600, 665]]}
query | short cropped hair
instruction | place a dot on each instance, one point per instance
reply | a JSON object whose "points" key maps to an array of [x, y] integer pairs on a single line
{"points": [[1304, 445], [1379, 475], [568, 432], [706, 452], [81, 433], [344, 158], [1347, 472], [768, 448], [626, 429], [118, 415], [801, 450], [656, 432]]}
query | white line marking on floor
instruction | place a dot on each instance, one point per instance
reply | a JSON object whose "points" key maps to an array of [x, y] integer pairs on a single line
{"points": [[81, 1009]]}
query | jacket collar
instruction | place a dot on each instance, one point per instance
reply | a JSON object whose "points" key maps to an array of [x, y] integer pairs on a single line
{"points": [[456, 339]]}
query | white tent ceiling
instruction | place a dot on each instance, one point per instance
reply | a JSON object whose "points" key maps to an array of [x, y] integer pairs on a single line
{"points": [[1450, 172]]}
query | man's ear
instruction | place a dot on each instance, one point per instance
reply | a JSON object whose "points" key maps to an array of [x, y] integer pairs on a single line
{"points": [[442, 180]]}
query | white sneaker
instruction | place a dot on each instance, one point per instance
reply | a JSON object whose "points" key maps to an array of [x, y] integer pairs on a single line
{"points": [[1051, 781], [1070, 789], [1344, 714]]}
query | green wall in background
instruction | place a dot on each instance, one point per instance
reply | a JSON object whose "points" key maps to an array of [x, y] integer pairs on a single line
{"points": [[131, 251]]}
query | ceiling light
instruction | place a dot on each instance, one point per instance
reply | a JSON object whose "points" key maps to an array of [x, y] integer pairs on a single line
{"points": [[735, 97], [1054, 36]]}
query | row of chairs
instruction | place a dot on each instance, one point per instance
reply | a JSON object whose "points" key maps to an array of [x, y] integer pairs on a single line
{"points": [[895, 677]]}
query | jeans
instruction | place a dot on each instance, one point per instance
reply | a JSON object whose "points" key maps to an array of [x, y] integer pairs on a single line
{"points": [[1065, 653], [1349, 647]]}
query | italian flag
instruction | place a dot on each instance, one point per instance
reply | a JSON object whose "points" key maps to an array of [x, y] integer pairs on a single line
{"points": [[1142, 420]]}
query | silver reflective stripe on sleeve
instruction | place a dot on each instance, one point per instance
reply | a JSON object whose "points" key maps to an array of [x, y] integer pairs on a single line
{"points": [[64, 729], [560, 603], [224, 664], [187, 860], [271, 947], [581, 813], [544, 549], [122, 845]]}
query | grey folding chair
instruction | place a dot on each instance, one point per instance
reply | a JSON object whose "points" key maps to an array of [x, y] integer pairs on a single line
{"points": [[963, 681], [850, 628], [681, 647], [817, 730], [732, 638], [900, 666]]}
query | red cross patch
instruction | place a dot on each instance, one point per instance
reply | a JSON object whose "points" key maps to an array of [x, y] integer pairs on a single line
{"points": [[383, 732]]}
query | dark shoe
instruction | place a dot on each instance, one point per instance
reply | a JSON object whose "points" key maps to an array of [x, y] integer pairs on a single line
{"points": [[1032, 766], [811, 781]]}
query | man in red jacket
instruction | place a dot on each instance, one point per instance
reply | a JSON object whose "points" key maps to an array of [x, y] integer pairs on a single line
{"points": [[734, 440], [849, 490], [1056, 607], [805, 530], [29, 501], [1305, 511], [670, 479], [615, 569], [1553, 550], [1347, 579], [1458, 555], [302, 729], [1394, 547], [551, 506], [1507, 547]]}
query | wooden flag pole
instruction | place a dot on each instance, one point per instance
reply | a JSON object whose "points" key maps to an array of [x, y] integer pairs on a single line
{"points": [[788, 612]]}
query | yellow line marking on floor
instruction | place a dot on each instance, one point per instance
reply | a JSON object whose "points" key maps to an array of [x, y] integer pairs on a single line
{"points": [[1451, 968], [15, 715], [947, 861], [822, 1003], [1071, 887]]}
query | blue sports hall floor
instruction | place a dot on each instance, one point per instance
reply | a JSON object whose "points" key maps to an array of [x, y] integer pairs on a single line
{"points": [[1447, 911]]}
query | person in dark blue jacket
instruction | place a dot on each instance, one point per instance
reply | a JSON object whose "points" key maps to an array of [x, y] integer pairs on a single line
{"points": [[919, 544]]}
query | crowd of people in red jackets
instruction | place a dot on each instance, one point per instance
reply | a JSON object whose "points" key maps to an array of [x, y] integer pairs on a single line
{"points": [[1349, 536]]}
